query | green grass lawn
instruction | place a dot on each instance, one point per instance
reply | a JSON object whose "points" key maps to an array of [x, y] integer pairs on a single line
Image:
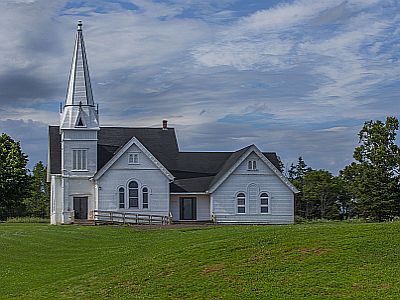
{"points": [[310, 261]]}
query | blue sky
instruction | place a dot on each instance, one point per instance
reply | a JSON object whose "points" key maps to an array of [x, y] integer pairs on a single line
{"points": [[295, 77]]}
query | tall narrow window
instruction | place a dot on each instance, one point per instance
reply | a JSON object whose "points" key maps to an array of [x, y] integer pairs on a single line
{"points": [[79, 159], [121, 195], [145, 197], [241, 203], [133, 194], [264, 202]]}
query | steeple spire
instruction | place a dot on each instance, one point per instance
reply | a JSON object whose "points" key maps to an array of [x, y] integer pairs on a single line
{"points": [[79, 88], [79, 111]]}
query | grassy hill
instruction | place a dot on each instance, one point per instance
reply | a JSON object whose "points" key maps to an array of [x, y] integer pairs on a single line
{"points": [[310, 261]]}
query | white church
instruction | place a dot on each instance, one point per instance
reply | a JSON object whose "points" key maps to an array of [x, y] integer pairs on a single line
{"points": [[141, 170]]}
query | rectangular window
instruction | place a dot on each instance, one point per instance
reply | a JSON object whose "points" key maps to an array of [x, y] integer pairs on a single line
{"points": [[79, 159], [252, 165], [133, 158]]}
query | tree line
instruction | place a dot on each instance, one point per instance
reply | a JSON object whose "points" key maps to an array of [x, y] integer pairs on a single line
{"points": [[367, 188]]}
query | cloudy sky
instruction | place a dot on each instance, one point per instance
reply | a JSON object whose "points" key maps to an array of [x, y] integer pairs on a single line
{"points": [[296, 77]]}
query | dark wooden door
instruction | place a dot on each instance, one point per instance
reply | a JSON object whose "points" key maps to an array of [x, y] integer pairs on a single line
{"points": [[81, 207], [188, 208]]}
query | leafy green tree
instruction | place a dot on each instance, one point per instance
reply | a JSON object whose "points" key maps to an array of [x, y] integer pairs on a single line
{"points": [[321, 194], [14, 180], [38, 202], [374, 179]]}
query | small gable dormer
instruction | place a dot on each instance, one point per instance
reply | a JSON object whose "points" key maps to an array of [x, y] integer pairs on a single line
{"points": [[80, 120]]}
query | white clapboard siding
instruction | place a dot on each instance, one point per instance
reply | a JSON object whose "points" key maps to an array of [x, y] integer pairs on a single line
{"points": [[252, 183], [202, 206], [146, 174]]}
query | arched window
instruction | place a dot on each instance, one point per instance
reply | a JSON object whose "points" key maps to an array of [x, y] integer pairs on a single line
{"points": [[264, 202], [121, 197], [145, 197], [241, 203], [133, 194]]}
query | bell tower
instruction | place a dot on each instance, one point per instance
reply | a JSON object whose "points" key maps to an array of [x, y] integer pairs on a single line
{"points": [[79, 125]]}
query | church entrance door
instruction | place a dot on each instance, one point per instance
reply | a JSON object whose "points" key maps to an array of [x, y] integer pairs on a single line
{"points": [[81, 207], [188, 208]]}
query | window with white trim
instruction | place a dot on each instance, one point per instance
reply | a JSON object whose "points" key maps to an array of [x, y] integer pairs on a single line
{"points": [[252, 165], [79, 159], [264, 203], [145, 198], [133, 158], [121, 197], [241, 203], [133, 194]]}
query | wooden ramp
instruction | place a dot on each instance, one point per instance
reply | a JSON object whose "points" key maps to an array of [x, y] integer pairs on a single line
{"points": [[115, 217]]}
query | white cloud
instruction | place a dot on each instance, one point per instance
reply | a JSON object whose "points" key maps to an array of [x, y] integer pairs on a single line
{"points": [[303, 65]]}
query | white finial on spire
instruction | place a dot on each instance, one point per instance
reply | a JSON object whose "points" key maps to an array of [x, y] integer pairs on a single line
{"points": [[80, 25]]}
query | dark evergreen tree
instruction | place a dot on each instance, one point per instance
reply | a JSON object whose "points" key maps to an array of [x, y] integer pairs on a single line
{"points": [[296, 175], [14, 180]]}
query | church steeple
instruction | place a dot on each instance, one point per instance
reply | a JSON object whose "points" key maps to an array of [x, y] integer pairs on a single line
{"points": [[79, 108], [79, 88]]}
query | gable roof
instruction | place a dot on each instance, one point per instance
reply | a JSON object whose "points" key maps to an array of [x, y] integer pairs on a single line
{"points": [[193, 171], [206, 168], [122, 150], [240, 156], [228, 164]]}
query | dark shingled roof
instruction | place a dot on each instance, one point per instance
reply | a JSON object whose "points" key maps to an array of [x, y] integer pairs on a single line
{"points": [[193, 171], [161, 143], [54, 163]]}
